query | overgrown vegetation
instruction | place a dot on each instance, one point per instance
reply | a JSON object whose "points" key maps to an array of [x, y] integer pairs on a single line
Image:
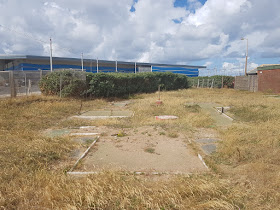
{"points": [[64, 83], [70, 83], [218, 81], [246, 174]]}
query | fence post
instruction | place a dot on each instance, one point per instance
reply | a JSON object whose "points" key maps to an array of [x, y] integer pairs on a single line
{"points": [[29, 87], [25, 84], [12, 84], [212, 85], [222, 82], [208, 83], [202, 83], [60, 84], [198, 83]]}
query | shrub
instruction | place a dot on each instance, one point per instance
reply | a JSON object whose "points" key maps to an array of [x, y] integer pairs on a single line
{"points": [[70, 83], [123, 84]]}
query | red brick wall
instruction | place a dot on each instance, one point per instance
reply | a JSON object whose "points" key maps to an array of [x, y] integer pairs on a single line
{"points": [[269, 80]]}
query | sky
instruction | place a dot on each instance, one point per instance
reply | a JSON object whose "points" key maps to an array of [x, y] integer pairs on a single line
{"points": [[191, 32]]}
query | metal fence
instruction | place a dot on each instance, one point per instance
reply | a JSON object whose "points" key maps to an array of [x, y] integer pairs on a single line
{"points": [[212, 82], [18, 83], [21, 83]]}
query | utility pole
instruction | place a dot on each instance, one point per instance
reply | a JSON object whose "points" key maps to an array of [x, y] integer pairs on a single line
{"points": [[97, 65], [51, 67], [246, 56], [82, 61]]}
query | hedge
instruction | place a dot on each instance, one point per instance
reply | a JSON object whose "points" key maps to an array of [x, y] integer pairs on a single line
{"points": [[121, 84], [71, 83], [110, 84]]}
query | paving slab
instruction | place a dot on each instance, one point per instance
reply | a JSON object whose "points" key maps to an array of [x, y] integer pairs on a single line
{"points": [[209, 148], [220, 119], [57, 132], [121, 103], [103, 114], [142, 150], [207, 140]]}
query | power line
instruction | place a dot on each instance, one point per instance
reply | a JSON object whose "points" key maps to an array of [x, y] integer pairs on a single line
{"points": [[23, 34], [27, 35]]}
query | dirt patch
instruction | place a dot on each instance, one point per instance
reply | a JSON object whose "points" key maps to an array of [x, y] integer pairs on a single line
{"points": [[145, 149]]}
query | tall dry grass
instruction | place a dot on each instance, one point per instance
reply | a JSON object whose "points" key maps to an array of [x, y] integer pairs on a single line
{"points": [[32, 174]]}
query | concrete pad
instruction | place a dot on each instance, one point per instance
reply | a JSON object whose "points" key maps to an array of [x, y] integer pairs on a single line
{"points": [[57, 133], [84, 134], [166, 117], [209, 148], [220, 119], [86, 139], [207, 141], [143, 150], [121, 103], [87, 127], [105, 114]]}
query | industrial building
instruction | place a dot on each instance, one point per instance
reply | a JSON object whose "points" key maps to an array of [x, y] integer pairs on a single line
{"points": [[265, 78], [33, 63]]}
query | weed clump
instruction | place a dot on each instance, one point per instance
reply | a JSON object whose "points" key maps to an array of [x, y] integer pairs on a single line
{"points": [[193, 108], [149, 150]]}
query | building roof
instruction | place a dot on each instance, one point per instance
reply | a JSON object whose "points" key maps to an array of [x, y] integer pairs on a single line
{"points": [[264, 67], [35, 57], [269, 67]]}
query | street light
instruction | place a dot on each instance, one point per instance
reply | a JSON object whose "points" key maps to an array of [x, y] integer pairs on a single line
{"points": [[246, 56]]}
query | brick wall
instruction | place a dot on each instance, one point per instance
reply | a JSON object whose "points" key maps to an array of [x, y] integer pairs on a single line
{"points": [[241, 83], [253, 83], [269, 80], [249, 83]]}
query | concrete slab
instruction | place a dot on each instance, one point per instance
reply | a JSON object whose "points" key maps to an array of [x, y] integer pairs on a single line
{"points": [[207, 140], [84, 134], [105, 114], [121, 103], [143, 153], [166, 117], [209, 148], [58, 132], [220, 119], [84, 139]]}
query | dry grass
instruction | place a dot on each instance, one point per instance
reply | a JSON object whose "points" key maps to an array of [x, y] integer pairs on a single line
{"points": [[247, 176]]}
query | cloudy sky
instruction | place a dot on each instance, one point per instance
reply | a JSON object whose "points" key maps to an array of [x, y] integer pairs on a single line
{"points": [[194, 32]]}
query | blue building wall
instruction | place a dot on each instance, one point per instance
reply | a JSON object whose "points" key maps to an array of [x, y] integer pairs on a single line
{"points": [[178, 70], [106, 69]]}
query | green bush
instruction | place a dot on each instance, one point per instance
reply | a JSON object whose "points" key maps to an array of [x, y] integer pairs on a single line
{"points": [[122, 84], [109, 84], [71, 83]]}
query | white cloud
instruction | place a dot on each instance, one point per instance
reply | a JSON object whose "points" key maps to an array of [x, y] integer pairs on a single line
{"points": [[108, 30]]}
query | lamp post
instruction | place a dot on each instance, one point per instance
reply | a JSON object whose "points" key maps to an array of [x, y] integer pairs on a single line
{"points": [[246, 56]]}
